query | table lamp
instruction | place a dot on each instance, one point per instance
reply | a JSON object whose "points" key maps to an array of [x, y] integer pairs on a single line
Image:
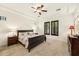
{"points": [[71, 27]]}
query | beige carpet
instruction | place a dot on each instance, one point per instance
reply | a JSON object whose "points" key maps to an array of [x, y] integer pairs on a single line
{"points": [[49, 48]]}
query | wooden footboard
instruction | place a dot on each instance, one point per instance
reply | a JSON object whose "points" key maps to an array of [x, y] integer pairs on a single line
{"points": [[34, 41]]}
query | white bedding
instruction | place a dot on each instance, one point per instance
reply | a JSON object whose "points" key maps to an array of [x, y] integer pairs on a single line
{"points": [[23, 38]]}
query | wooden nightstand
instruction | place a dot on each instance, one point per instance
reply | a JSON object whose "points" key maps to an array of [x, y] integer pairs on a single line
{"points": [[12, 40]]}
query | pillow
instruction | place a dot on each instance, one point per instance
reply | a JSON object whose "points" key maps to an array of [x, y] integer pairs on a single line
{"points": [[31, 33], [22, 35], [25, 34]]}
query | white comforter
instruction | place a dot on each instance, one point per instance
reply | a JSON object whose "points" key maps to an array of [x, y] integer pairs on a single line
{"points": [[24, 39]]}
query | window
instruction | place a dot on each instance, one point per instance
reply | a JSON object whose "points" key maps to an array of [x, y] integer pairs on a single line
{"points": [[54, 27], [47, 28], [2, 18]]}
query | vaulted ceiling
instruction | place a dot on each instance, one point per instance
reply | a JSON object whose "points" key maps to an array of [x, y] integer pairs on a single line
{"points": [[24, 10]]}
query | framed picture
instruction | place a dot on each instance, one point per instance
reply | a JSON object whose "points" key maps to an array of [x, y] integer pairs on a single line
{"points": [[47, 28], [55, 27]]}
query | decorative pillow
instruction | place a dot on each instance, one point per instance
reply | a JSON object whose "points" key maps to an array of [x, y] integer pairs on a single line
{"points": [[22, 35], [25, 34], [31, 33]]}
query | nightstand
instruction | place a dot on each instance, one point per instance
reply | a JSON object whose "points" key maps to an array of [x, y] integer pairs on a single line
{"points": [[12, 40]]}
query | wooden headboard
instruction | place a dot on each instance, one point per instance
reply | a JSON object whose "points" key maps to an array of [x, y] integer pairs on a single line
{"points": [[24, 30], [19, 31]]}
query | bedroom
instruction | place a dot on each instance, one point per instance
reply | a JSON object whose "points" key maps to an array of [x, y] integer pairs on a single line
{"points": [[21, 16]]}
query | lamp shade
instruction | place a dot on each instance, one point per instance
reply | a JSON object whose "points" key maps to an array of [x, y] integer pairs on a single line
{"points": [[71, 27]]}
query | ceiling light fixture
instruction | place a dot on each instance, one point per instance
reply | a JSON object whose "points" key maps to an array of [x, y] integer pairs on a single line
{"points": [[39, 9]]}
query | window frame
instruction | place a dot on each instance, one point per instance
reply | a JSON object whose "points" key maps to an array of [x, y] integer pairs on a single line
{"points": [[48, 28], [53, 30]]}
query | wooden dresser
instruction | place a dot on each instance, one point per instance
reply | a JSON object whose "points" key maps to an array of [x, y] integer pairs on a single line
{"points": [[74, 41], [12, 40]]}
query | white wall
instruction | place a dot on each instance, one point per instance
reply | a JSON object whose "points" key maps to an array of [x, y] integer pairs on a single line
{"points": [[64, 22], [14, 21], [65, 18]]}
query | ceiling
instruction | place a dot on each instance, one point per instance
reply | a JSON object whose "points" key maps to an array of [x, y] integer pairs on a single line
{"points": [[26, 10]]}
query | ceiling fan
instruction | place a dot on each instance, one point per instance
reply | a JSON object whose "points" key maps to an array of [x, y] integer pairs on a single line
{"points": [[39, 9]]}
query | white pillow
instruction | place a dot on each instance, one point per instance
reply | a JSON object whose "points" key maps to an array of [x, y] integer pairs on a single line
{"points": [[31, 33], [22, 35]]}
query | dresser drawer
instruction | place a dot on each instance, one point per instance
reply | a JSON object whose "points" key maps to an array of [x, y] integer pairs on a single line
{"points": [[12, 40], [74, 46]]}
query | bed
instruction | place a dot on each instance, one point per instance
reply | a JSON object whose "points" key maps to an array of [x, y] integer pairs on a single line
{"points": [[28, 39]]}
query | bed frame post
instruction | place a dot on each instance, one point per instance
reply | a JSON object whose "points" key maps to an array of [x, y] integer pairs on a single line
{"points": [[28, 50]]}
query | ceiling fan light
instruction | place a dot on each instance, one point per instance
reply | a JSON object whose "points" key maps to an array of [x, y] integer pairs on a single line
{"points": [[35, 10], [38, 10]]}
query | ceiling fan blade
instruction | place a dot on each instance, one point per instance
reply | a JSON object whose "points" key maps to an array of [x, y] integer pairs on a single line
{"points": [[44, 10], [42, 6], [38, 8], [39, 13]]}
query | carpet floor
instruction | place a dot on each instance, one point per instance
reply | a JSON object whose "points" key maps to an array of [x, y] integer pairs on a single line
{"points": [[49, 48]]}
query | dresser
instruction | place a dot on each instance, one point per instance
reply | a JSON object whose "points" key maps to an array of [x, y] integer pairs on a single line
{"points": [[12, 40], [74, 42]]}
